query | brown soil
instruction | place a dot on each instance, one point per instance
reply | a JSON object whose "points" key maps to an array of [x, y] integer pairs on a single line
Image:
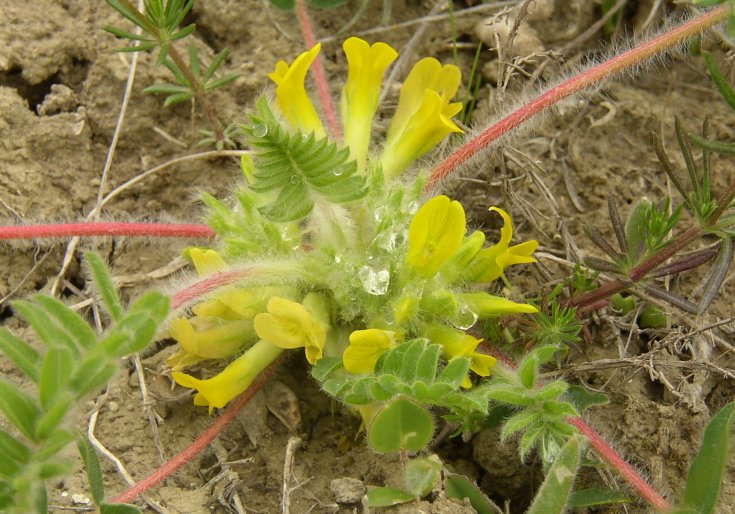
{"points": [[61, 86]]}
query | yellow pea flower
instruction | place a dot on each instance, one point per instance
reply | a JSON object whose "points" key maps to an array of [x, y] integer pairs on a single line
{"points": [[360, 95], [206, 261], [490, 263], [460, 344], [204, 338], [234, 379], [291, 96], [486, 305], [290, 325], [424, 114], [435, 234], [366, 347]]}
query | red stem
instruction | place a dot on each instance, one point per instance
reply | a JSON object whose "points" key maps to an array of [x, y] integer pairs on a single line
{"points": [[202, 441], [207, 285], [626, 471], [322, 86], [106, 229], [582, 81]]}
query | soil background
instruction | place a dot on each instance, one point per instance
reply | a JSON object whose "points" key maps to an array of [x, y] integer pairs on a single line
{"points": [[61, 87]]}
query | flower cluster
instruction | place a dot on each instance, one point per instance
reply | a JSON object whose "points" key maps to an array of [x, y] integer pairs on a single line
{"points": [[367, 275]]}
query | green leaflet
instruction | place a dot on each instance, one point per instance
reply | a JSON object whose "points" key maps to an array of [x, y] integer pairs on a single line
{"points": [[554, 493], [298, 168]]}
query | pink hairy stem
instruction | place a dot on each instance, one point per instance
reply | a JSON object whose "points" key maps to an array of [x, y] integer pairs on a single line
{"points": [[575, 84], [209, 435], [106, 229], [207, 285], [322, 86], [610, 456]]}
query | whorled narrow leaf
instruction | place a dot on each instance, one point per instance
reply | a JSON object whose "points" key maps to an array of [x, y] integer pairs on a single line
{"points": [[717, 274]]}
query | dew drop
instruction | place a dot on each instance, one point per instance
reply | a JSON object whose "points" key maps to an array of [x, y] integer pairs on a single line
{"points": [[337, 259], [380, 213], [339, 170], [413, 207], [464, 319], [373, 281], [294, 179], [260, 129]]}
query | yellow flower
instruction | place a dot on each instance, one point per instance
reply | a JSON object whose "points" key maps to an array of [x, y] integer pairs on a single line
{"points": [[490, 263], [487, 306], [435, 234], [459, 344], [366, 347], [204, 338], [367, 63], [293, 101], [234, 379], [290, 325], [206, 261], [424, 114]]}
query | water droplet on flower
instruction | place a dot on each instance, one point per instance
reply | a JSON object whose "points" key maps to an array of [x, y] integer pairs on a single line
{"points": [[373, 281], [465, 318], [338, 259], [259, 129], [338, 171], [294, 179], [380, 213], [386, 241]]}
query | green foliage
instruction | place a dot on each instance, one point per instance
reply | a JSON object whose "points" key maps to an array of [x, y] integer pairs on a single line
{"points": [[402, 425], [554, 493], [543, 410], [75, 361], [410, 371], [459, 487], [387, 497], [184, 89], [96, 484], [419, 475], [595, 498], [706, 472], [555, 324], [288, 5], [300, 169], [159, 21]]}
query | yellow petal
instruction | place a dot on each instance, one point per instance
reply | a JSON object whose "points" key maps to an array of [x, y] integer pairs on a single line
{"points": [[435, 234], [366, 347], [360, 95], [291, 96], [424, 114], [211, 338], [487, 306], [233, 380], [289, 325], [206, 261]]}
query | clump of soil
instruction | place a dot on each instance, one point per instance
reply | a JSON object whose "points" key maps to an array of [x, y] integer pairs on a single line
{"points": [[61, 87]]}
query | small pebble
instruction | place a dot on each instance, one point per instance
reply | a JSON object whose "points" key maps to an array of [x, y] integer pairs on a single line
{"points": [[347, 490], [80, 499], [113, 406]]}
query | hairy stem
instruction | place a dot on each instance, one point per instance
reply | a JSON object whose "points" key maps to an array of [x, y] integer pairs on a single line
{"points": [[209, 110], [591, 77], [322, 86], [201, 442], [106, 229], [626, 471], [208, 285]]}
